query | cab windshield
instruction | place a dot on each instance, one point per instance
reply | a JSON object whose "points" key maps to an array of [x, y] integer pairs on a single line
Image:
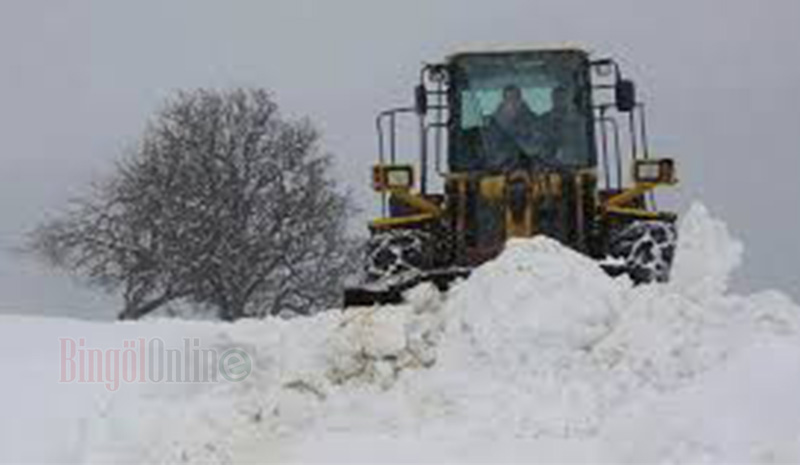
{"points": [[520, 109]]}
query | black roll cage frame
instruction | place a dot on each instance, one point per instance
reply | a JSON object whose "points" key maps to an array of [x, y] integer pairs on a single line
{"points": [[434, 84]]}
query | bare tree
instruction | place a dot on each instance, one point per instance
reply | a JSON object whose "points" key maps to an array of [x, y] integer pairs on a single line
{"points": [[224, 204]]}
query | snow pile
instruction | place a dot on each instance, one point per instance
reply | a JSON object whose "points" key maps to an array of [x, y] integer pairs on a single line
{"points": [[707, 255], [539, 355]]}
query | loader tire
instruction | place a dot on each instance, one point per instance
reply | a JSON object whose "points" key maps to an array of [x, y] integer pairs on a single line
{"points": [[394, 252], [647, 248]]}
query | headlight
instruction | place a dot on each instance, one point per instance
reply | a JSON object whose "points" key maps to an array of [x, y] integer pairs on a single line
{"points": [[654, 171], [398, 178], [648, 171], [392, 177]]}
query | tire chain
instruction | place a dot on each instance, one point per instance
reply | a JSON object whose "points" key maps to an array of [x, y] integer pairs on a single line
{"points": [[648, 248], [394, 252]]}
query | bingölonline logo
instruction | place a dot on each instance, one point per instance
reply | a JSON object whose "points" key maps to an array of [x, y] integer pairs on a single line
{"points": [[149, 360]]}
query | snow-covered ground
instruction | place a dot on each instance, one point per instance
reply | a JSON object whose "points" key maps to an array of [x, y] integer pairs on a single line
{"points": [[537, 357]]}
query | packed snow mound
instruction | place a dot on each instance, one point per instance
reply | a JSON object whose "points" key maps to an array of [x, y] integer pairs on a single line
{"points": [[707, 255], [540, 294], [537, 356]]}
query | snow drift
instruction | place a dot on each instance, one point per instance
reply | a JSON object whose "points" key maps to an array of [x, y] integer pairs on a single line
{"points": [[538, 356]]}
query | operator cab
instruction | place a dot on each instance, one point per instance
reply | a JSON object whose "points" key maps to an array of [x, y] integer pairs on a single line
{"points": [[526, 110]]}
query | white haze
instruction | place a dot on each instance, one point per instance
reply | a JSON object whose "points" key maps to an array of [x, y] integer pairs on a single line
{"points": [[79, 79]]}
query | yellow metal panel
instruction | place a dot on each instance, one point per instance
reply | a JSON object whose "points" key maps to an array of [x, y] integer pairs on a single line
{"points": [[493, 187], [580, 220], [637, 212], [461, 220], [523, 228], [554, 184], [628, 195], [384, 223], [417, 201]]}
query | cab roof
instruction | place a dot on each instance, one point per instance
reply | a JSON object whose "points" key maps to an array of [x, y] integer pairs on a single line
{"points": [[499, 49]]}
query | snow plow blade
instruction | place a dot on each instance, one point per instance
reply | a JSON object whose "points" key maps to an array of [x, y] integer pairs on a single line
{"points": [[390, 291]]}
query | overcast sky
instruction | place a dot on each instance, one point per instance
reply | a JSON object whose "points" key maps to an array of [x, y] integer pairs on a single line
{"points": [[80, 78]]}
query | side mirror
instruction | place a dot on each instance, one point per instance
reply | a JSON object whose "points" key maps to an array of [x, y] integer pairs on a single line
{"points": [[421, 100], [625, 95]]}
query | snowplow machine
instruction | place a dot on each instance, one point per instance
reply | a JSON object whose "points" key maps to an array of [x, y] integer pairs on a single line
{"points": [[515, 143]]}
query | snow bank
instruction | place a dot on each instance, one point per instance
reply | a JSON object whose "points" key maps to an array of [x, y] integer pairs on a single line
{"points": [[538, 356]]}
